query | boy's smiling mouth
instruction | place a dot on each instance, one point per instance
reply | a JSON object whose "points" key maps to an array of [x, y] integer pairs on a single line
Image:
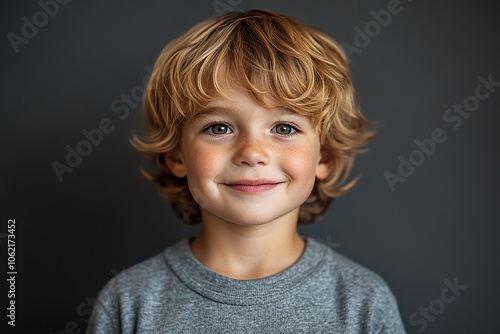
{"points": [[252, 186]]}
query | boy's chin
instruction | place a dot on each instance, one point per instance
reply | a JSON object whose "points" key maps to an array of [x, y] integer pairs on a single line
{"points": [[255, 218]]}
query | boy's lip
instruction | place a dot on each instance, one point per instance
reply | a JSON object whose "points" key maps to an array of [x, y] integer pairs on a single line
{"points": [[247, 182], [252, 186]]}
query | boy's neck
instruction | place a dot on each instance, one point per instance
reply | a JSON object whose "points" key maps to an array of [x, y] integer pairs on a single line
{"points": [[248, 252]]}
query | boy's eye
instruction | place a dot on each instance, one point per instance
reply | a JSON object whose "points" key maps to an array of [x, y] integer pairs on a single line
{"points": [[219, 129], [283, 129], [222, 129]]}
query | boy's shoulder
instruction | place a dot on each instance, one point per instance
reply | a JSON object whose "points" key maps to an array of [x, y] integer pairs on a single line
{"points": [[346, 272], [147, 275], [348, 285], [148, 280]]}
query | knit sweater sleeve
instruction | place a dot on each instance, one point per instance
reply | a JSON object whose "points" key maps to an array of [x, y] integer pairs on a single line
{"points": [[387, 319], [105, 317]]}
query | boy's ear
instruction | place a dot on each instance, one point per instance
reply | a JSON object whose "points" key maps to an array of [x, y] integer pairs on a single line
{"points": [[325, 163], [175, 162]]}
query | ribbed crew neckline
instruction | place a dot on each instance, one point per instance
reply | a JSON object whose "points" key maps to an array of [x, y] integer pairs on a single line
{"points": [[233, 291]]}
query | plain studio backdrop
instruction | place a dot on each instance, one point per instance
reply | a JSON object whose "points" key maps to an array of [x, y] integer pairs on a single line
{"points": [[424, 214]]}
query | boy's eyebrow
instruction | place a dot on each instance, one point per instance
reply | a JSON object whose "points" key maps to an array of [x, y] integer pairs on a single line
{"points": [[221, 110], [210, 111]]}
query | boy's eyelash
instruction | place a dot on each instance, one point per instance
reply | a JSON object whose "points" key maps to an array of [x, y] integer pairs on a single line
{"points": [[209, 125], [290, 124]]}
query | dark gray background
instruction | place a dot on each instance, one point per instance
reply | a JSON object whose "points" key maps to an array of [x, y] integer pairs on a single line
{"points": [[73, 236]]}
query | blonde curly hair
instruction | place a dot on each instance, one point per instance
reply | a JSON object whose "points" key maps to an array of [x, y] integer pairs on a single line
{"points": [[272, 55]]}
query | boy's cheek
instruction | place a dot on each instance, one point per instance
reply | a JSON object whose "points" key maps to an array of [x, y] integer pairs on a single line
{"points": [[203, 161], [303, 158]]}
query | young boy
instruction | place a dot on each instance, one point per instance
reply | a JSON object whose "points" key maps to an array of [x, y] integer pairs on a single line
{"points": [[254, 123]]}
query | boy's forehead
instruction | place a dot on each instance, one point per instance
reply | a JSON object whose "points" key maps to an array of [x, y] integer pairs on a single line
{"points": [[231, 93]]}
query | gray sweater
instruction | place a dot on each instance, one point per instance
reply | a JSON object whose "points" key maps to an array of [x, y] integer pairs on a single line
{"points": [[323, 292]]}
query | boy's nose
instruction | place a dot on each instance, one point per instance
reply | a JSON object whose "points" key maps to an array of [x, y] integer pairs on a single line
{"points": [[252, 152]]}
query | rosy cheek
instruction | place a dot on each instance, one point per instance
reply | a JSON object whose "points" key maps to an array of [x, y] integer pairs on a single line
{"points": [[299, 162], [202, 161], [296, 163]]}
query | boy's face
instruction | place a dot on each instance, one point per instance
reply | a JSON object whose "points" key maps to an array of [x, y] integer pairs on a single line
{"points": [[247, 164]]}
